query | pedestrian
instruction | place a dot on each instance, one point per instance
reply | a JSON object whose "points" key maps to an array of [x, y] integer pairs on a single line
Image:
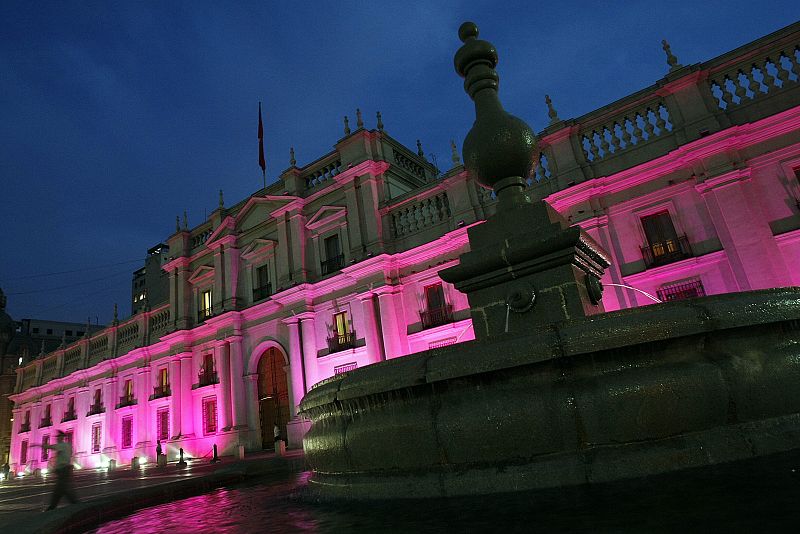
{"points": [[63, 469], [158, 449], [276, 432]]}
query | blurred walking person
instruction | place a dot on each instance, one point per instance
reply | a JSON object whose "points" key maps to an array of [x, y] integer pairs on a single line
{"points": [[63, 470]]}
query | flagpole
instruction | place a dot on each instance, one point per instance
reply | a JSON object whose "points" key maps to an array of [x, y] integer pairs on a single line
{"points": [[261, 161], [264, 173]]}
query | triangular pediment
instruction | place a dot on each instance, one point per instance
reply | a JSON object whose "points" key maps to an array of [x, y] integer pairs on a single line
{"points": [[225, 228], [201, 273], [259, 247], [258, 210], [325, 216]]}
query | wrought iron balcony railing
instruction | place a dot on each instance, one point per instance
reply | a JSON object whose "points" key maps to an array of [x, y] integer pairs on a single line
{"points": [[161, 391], [206, 379], [46, 422], [262, 292], [69, 416], [436, 316], [332, 264], [126, 400], [338, 342], [96, 409], [668, 251], [25, 427]]}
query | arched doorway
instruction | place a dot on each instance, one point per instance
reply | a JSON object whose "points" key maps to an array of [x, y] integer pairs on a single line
{"points": [[273, 396]]}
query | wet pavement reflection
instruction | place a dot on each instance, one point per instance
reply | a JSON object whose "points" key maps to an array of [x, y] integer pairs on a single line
{"points": [[759, 496]]}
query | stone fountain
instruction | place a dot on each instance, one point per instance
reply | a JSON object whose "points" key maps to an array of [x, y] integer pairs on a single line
{"points": [[553, 392]]}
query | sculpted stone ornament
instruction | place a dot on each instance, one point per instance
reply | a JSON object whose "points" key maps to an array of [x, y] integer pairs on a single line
{"points": [[527, 265], [498, 150]]}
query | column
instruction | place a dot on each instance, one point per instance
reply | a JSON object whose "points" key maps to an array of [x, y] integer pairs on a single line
{"points": [[752, 252], [223, 363], [80, 438], [175, 398], [187, 399], [110, 421], [309, 341], [297, 383], [251, 398], [238, 406], [218, 293], [231, 277], [394, 333], [374, 344], [35, 435], [142, 426]]}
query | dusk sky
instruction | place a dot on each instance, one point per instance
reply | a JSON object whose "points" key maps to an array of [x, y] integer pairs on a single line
{"points": [[118, 116]]}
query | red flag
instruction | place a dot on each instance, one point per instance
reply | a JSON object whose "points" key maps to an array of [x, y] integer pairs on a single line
{"points": [[261, 161]]}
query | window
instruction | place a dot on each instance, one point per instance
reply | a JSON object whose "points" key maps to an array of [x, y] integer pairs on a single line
{"points": [[96, 436], [334, 260], [69, 415], [127, 432], [162, 388], [36, 330], [437, 312], [207, 373], [342, 336], [127, 397], [49, 331], [209, 415], [688, 289], [162, 424], [68, 333], [23, 452], [664, 244], [68, 436], [262, 288], [79, 333], [45, 450], [97, 394], [205, 304]]}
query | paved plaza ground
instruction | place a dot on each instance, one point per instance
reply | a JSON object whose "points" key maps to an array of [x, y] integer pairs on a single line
{"points": [[107, 495]]}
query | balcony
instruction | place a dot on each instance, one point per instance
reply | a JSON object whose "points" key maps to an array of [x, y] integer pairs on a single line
{"points": [[332, 265], [126, 400], [260, 293], [96, 409], [69, 416], [665, 252], [207, 378], [161, 391], [25, 427], [47, 421], [436, 316], [339, 342], [204, 313]]}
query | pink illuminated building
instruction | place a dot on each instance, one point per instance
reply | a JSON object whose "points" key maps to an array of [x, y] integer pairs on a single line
{"points": [[691, 184]]}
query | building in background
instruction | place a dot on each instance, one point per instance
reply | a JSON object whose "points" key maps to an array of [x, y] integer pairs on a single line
{"points": [[150, 284], [691, 184]]}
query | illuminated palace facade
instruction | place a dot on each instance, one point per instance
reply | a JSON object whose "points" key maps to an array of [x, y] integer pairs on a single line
{"points": [[691, 184]]}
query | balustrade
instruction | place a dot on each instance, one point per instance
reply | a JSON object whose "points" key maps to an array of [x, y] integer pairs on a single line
{"points": [[339, 342], [323, 174], [770, 71], [408, 164], [201, 236], [72, 360], [414, 216], [436, 316], [49, 368], [159, 322], [98, 348], [128, 335], [629, 128]]}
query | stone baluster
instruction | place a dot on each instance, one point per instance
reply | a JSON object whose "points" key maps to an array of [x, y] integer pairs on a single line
{"points": [[755, 86], [661, 124], [740, 92], [783, 72], [604, 145], [648, 123], [769, 79]]}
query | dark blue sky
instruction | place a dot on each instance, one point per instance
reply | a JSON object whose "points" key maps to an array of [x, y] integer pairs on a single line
{"points": [[117, 116]]}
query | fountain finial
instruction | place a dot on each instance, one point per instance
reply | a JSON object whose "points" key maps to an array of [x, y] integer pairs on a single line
{"points": [[498, 150]]}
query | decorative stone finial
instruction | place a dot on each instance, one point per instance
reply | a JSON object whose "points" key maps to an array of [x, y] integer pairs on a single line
{"points": [[3, 300], [551, 112], [380, 122], [177, 223], [292, 161], [346, 126], [420, 152], [359, 120], [221, 200], [63, 340], [88, 324], [116, 315], [454, 154], [498, 150], [672, 61], [41, 349], [185, 220]]}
